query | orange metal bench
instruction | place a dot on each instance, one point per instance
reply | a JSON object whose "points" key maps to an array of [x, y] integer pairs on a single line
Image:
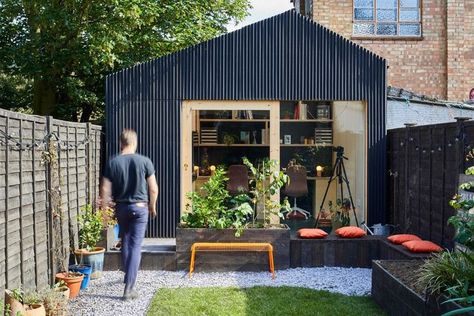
{"points": [[232, 246]]}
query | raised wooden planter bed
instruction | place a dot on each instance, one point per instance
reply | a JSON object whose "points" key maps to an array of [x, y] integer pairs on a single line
{"points": [[334, 251], [231, 261], [396, 298]]}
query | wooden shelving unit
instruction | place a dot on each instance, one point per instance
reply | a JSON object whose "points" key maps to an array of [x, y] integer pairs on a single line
{"points": [[306, 145], [306, 121], [231, 145], [236, 120]]}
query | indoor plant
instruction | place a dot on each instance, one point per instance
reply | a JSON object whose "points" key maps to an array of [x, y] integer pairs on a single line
{"points": [[340, 213], [91, 225]]}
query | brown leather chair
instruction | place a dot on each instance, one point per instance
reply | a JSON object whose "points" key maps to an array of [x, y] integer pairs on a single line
{"points": [[238, 179], [298, 186]]}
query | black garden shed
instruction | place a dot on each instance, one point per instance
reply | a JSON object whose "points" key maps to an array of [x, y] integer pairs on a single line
{"points": [[319, 82]]}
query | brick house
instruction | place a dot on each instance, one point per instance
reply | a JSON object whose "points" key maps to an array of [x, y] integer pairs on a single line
{"points": [[429, 44]]}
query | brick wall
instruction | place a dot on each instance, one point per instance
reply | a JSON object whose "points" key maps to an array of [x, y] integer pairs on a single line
{"points": [[419, 65]]}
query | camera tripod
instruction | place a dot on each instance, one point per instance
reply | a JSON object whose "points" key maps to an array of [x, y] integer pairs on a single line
{"points": [[339, 172]]}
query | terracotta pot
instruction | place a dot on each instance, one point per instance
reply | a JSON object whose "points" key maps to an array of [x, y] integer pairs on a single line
{"points": [[64, 290], [93, 258], [35, 310], [73, 282], [16, 307]]}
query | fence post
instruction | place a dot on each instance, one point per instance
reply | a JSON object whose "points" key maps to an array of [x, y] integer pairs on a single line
{"points": [[50, 217], [460, 145], [406, 222], [89, 164]]}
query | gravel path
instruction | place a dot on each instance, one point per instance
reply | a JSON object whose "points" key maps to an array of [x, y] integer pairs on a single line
{"points": [[103, 297]]}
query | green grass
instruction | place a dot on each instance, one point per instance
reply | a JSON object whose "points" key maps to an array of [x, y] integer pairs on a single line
{"points": [[269, 301]]}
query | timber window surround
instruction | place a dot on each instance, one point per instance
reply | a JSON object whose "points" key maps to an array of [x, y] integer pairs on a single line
{"points": [[386, 18]]}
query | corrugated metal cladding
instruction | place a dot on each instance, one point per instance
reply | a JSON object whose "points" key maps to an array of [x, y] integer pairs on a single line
{"points": [[286, 57]]}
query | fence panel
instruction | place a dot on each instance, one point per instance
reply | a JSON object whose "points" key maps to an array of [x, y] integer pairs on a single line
{"points": [[26, 183], [424, 166]]}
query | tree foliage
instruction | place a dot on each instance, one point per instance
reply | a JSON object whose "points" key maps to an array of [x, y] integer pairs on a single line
{"points": [[67, 47]]}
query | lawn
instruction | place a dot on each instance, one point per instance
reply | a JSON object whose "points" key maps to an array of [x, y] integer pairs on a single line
{"points": [[258, 301]]}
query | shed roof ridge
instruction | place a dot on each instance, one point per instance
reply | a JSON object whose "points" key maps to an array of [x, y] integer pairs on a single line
{"points": [[336, 35]]}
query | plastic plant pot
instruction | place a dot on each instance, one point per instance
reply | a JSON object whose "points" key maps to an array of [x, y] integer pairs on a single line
{"points": [[84, 269]]}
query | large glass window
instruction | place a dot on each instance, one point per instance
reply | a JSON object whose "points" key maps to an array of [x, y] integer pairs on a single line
{"points": [[387, 18]]}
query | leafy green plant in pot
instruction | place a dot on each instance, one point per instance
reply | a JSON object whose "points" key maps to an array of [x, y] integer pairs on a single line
{"points": [[55, 299], [91, 226], [215, 208], [22, 302], [340, 213]]}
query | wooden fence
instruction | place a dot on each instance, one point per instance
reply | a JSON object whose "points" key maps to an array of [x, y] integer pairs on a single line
{"points": [[41, 156], [424, 166]]}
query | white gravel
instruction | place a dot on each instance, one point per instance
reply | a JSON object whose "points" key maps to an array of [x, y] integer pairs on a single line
{"points": [[103, 296]]}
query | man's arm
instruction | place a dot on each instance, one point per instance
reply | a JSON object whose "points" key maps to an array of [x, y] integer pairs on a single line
{"points": [[105, 193], [153, 194]]}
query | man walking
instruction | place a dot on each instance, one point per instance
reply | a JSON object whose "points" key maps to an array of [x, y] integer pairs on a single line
{"points": [[129, 179]]}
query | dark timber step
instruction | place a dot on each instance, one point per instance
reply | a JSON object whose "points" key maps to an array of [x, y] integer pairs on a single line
{"points": [[157, 254]]}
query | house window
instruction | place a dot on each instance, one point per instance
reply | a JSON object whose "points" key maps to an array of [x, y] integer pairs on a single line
{"points": [[387, 18]]}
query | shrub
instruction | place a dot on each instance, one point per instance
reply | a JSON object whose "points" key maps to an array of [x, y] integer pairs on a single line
{"points": [[451, 272], [91, 225], [215, 208]]}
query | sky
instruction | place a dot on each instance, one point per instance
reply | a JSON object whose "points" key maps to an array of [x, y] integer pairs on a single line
{"points": [[262, 9]]}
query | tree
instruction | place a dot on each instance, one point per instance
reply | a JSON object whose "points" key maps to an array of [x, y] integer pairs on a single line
{"points": [[67, 47]]}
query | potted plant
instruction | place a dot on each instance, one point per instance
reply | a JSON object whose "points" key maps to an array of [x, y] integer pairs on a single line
{"points": [[55, 299], [61, 287], [27, 303], [72, 280], [324, 221], [91, 225], [340, 213], [287, 115]]}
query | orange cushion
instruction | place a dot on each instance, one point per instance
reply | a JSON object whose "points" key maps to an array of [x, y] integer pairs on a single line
{"points": [[350, 232], [422, 246], [401, 238], [312, 233]]}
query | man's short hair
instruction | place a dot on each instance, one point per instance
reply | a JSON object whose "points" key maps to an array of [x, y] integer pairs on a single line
{"points": [[128, 137]]}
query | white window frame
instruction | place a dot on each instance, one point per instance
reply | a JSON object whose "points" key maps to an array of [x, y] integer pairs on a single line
{"points": [[398, 22]]}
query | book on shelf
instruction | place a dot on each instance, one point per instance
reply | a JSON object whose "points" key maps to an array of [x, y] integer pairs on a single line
{"points": [[300, 111], [245, 137], [303, 110], [265, 136]]}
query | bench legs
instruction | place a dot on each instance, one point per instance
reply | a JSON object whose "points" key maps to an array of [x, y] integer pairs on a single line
{"points": [[191, 264], [271, 264]]}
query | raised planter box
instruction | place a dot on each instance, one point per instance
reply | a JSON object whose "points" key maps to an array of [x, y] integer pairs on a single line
{"points": [[231, 261], [334, 251], [396, 298]]}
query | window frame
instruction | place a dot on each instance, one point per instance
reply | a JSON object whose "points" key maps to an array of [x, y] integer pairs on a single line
{"points": [[398, 22]]}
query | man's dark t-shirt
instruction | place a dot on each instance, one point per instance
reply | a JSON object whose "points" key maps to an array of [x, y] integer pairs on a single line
{"points": [[128, 174]]}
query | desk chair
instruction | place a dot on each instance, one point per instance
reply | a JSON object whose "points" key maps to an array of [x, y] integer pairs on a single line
{"points": [[238, 179], [298, 186]]}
